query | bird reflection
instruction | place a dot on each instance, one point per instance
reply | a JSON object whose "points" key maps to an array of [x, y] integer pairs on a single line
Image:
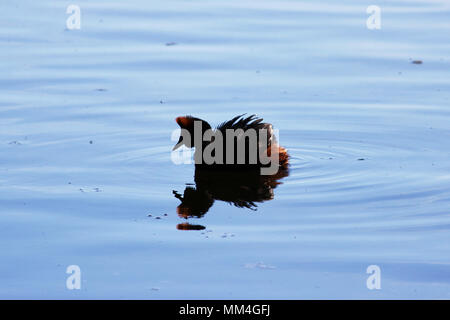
{"points": [[242, 189]]}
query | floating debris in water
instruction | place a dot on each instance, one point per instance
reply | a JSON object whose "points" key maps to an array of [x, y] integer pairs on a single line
{"points": [[171, 43], [417, 62], [101, 89], [18, 143], [259, 265], [361, 159], [88, 189], [155, 289], [157, 217], [91, 142], [226, 235]]}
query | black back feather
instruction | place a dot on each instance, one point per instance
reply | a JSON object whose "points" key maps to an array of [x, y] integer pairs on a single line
{"points": [[240, 122], [250, 122]]}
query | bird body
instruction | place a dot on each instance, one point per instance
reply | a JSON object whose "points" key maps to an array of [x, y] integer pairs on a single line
{"points": [[242, 143]]}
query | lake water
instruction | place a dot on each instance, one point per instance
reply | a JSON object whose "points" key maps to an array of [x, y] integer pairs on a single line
{"points": [[86, 118]]}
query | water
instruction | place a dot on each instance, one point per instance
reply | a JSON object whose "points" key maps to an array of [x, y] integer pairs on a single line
{"points": [[85, 139]]}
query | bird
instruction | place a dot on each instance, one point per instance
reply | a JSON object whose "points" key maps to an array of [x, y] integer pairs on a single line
{"points": [[242, 143]]}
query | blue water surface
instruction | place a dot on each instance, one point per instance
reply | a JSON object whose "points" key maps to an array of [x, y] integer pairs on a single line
{"points": [[86, 118]]}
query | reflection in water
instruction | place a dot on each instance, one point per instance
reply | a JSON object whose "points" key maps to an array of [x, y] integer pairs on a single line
{"points": [[240, 188]]}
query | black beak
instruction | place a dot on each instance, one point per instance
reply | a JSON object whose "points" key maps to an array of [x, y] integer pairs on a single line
{"points": [[179, 144]]}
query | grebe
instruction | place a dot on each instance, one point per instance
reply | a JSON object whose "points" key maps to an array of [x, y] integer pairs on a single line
{"points": [[242, 143]]}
